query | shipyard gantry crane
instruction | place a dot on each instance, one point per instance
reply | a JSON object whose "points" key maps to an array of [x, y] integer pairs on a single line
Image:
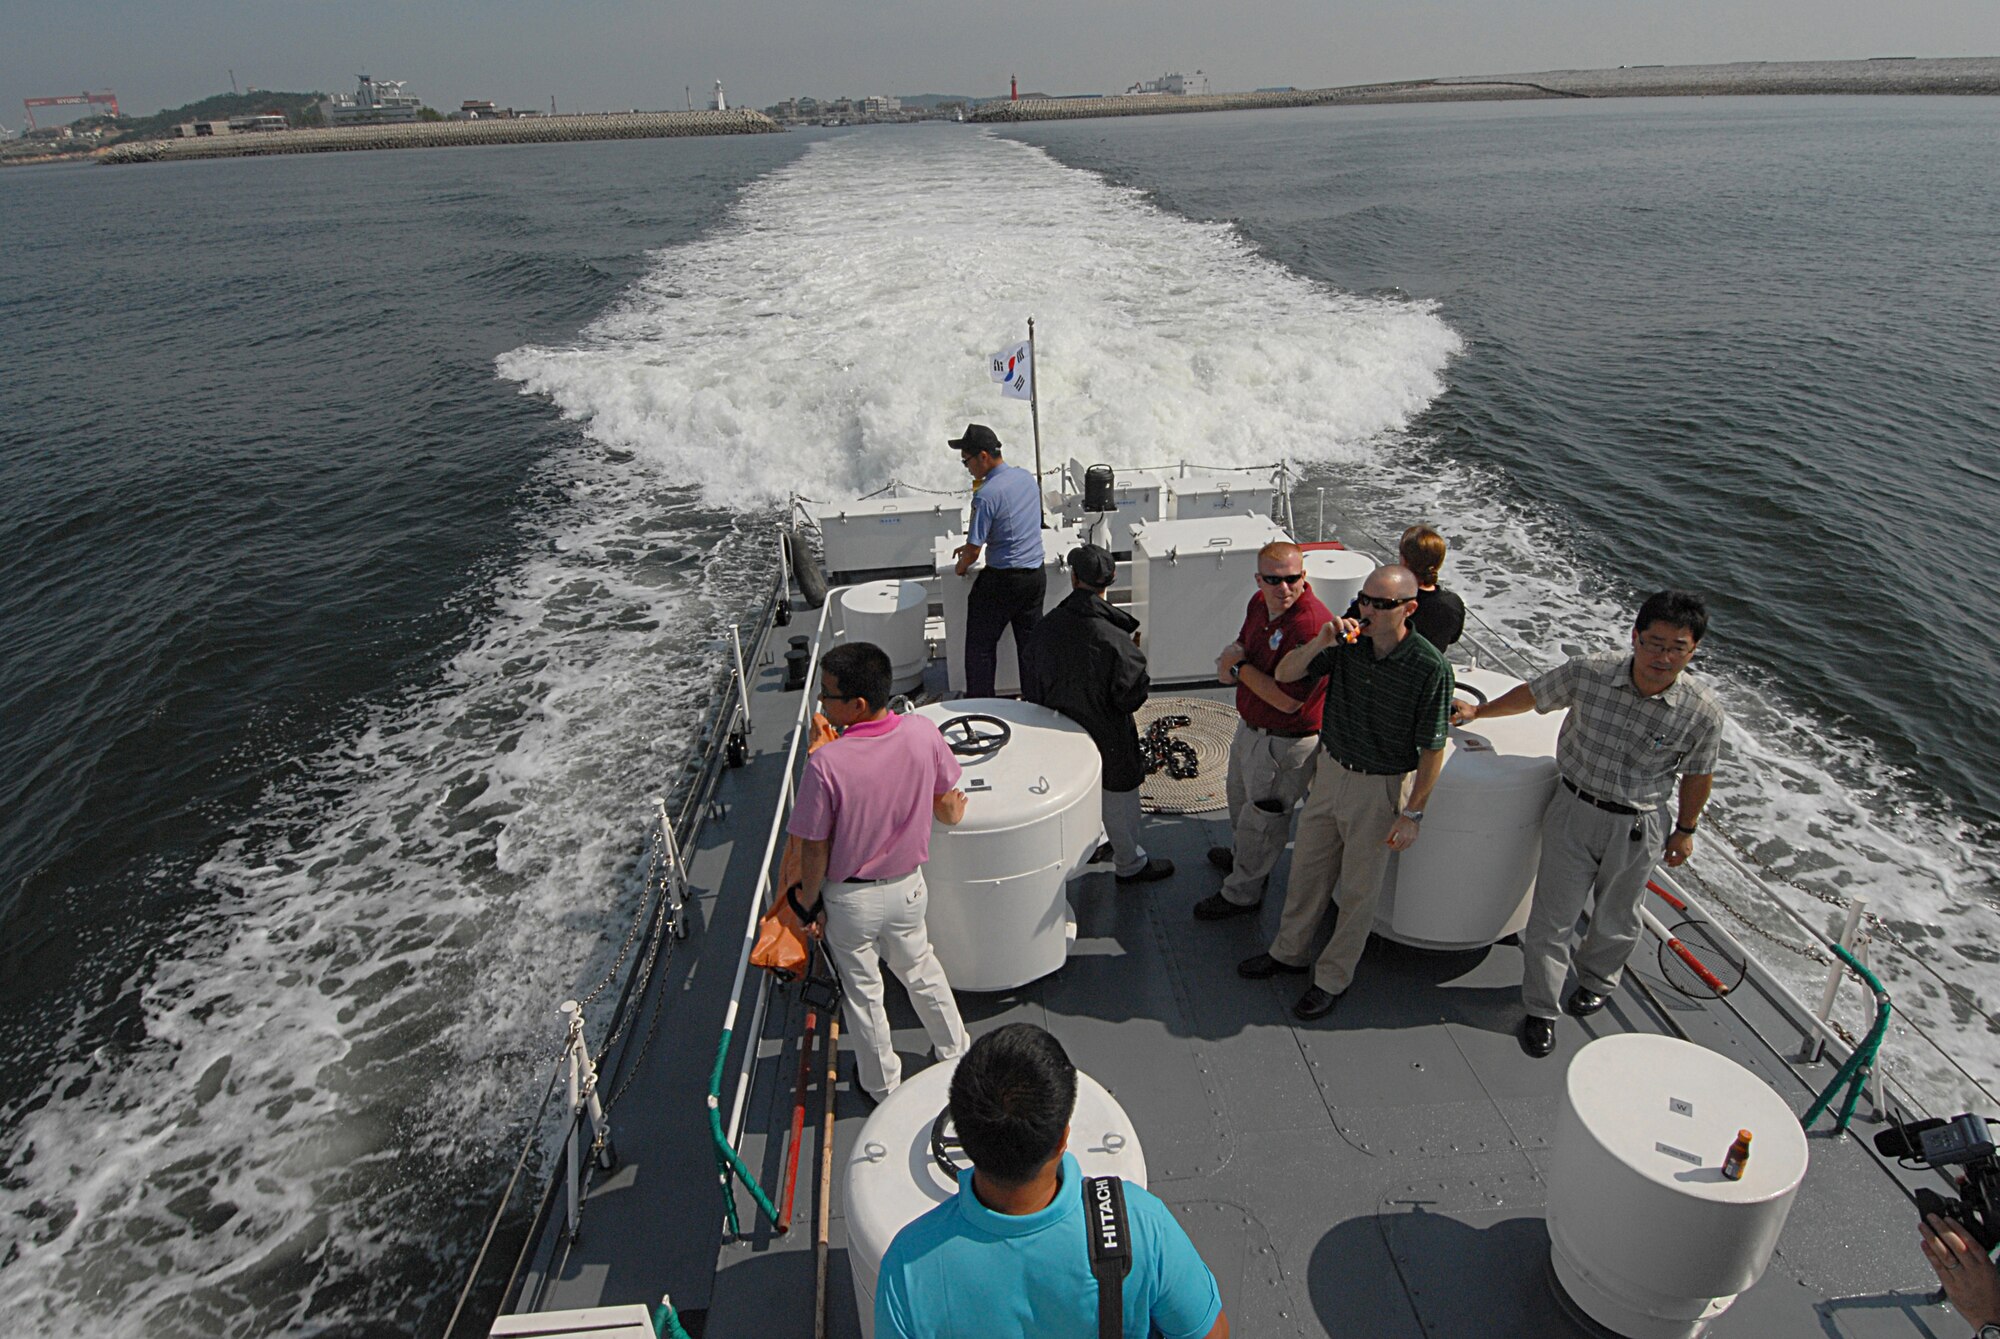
{"points": [[70, 100]]}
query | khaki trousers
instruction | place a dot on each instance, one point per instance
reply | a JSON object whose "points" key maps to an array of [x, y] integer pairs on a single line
{"points": [[1342, 834], [1267, 777]]}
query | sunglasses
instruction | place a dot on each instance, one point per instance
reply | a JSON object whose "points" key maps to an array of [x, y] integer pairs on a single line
{"points": [[1281, 579], [1382, 601]]}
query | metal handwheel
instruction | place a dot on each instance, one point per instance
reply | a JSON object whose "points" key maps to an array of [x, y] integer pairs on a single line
{"points": [[969, 737]]}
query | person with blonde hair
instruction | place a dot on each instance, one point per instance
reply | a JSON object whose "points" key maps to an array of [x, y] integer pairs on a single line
{"points": [[1440, 616]]}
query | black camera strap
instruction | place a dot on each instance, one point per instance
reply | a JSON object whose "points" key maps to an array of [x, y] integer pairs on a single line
{"points": [[1110, 1250]]}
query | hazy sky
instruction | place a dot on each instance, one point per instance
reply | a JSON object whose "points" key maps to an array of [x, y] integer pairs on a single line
{"points": [[603, 54]]}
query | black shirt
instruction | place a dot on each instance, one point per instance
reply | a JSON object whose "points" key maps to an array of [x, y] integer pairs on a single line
{"points": [[1440, 616]]}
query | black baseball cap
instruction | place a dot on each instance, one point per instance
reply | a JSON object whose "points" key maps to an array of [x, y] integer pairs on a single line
{"points": [[978, 437], [1094, 567]]}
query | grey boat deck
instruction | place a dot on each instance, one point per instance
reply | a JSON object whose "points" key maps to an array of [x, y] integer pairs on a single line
{"points": [[1378, 1172]]}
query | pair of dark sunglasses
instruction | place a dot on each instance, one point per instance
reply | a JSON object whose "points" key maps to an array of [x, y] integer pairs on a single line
{"points": [[1281, 580], [1382, 601]]}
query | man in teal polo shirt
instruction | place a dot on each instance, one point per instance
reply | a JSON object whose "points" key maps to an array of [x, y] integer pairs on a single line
{"points": [[1007, 1258]]}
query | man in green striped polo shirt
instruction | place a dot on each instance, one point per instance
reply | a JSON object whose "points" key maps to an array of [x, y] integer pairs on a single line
{"points": [[1388, 703]]}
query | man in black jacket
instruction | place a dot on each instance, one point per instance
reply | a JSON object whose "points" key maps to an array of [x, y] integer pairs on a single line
{"points": [[1083, 662]]}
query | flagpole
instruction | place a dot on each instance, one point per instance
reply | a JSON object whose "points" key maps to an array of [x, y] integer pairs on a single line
{"points": [[1035, 412]]}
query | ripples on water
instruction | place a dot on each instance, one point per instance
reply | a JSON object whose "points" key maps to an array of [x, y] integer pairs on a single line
{"points": [[339, 670]]}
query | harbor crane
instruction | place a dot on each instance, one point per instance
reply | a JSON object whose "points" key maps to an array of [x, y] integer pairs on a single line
{"points": [[70, 100]]}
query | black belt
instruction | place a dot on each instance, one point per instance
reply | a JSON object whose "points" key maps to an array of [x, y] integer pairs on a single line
{"points": [[1285, 734], [1608, 806], [1359, 771], [892, 879]]}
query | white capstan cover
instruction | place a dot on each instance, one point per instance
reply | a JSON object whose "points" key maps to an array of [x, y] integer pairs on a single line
{"points": [[1190, 583], [878, 533], [954, 590], [892, 1180], [630, 1321], [1336, 576], [1646, 1235], [1470, 877], [891, 615], [1034, 813]]}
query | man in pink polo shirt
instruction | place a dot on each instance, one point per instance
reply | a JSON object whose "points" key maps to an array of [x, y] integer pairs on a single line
{"points": [[863, 820]]}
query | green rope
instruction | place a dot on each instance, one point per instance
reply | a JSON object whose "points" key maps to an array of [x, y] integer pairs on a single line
{"points": [[726, 1159], [666, 1323], [1860, 1061]]}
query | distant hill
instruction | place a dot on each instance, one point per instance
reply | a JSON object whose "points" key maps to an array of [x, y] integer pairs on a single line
{"points": [[300, 109]]}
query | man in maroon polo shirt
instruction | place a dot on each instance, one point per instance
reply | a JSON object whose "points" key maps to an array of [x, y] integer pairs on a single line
{"points": [[1271, 759]]}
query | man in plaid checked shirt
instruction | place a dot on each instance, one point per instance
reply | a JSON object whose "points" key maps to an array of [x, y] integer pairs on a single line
{"points": [[1634, 726]]}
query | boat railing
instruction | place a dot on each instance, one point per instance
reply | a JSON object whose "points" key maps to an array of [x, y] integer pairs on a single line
{"points": [[1861, 930], [660, 920]]}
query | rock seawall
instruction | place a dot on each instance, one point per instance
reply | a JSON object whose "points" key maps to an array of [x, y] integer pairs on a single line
{"points": [[1957, 75], [446, 134]]}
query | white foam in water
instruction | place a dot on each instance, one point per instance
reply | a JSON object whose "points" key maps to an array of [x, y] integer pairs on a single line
{"points": [[839, 333], [338, 1053]]}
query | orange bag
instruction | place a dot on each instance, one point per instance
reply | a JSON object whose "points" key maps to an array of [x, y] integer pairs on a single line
{"points": [[781, 947]]}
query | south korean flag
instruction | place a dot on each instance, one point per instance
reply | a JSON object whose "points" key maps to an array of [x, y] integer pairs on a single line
{"points": [[1014, 370]]}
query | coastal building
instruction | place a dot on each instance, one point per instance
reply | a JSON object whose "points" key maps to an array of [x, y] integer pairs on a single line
{"points": [[265, 121], [881, 106], [718, 103], [374, 102], [1173, 85], [202, 129], [482, 109]]}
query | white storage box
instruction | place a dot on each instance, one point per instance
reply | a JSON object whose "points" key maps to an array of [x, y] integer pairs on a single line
{"points": [[1190, 583], [884, 534], [1195, 496]]}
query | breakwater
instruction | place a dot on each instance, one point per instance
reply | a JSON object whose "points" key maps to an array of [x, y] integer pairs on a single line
{"points": [[1979, 75], [448, 134]]}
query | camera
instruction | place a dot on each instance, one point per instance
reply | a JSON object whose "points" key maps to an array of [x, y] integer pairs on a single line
{"points": [[1960, 1142]]}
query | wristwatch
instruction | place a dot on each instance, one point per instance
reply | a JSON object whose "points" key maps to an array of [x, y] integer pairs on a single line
{"points": [[1236, 672], [1414, 815], [1988, 1332], [1685, 828]]}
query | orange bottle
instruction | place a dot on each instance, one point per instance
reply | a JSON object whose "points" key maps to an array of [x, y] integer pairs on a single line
{"points": [[1738, 1156]]}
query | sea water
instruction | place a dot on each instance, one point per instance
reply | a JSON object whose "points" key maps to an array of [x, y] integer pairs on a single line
{"points": [[374, 523]]}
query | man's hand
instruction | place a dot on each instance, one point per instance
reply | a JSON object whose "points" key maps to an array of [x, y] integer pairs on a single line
{"points": [[1336, 630], [1232, 655], [1970, 1280], [949, 807], [1463, 712], [1402, 834], [1680, 845]]}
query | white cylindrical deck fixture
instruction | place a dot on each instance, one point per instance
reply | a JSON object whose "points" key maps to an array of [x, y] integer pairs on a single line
{"points": [[1336, 576], [891, 615], [1646, 1235], [892, 1179], [1034, 813], [1470, 877]]}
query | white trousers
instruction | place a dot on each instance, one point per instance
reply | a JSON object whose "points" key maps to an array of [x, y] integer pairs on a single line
{"points": [[868, 924]]}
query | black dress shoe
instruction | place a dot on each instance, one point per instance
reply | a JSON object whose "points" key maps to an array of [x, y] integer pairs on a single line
{"points": [[1583, 1003], [1315, 1003], [1538, 1036], [1264, 965], [1101, 856], [1222, 858], [1155, 870], [1216, 907]]}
